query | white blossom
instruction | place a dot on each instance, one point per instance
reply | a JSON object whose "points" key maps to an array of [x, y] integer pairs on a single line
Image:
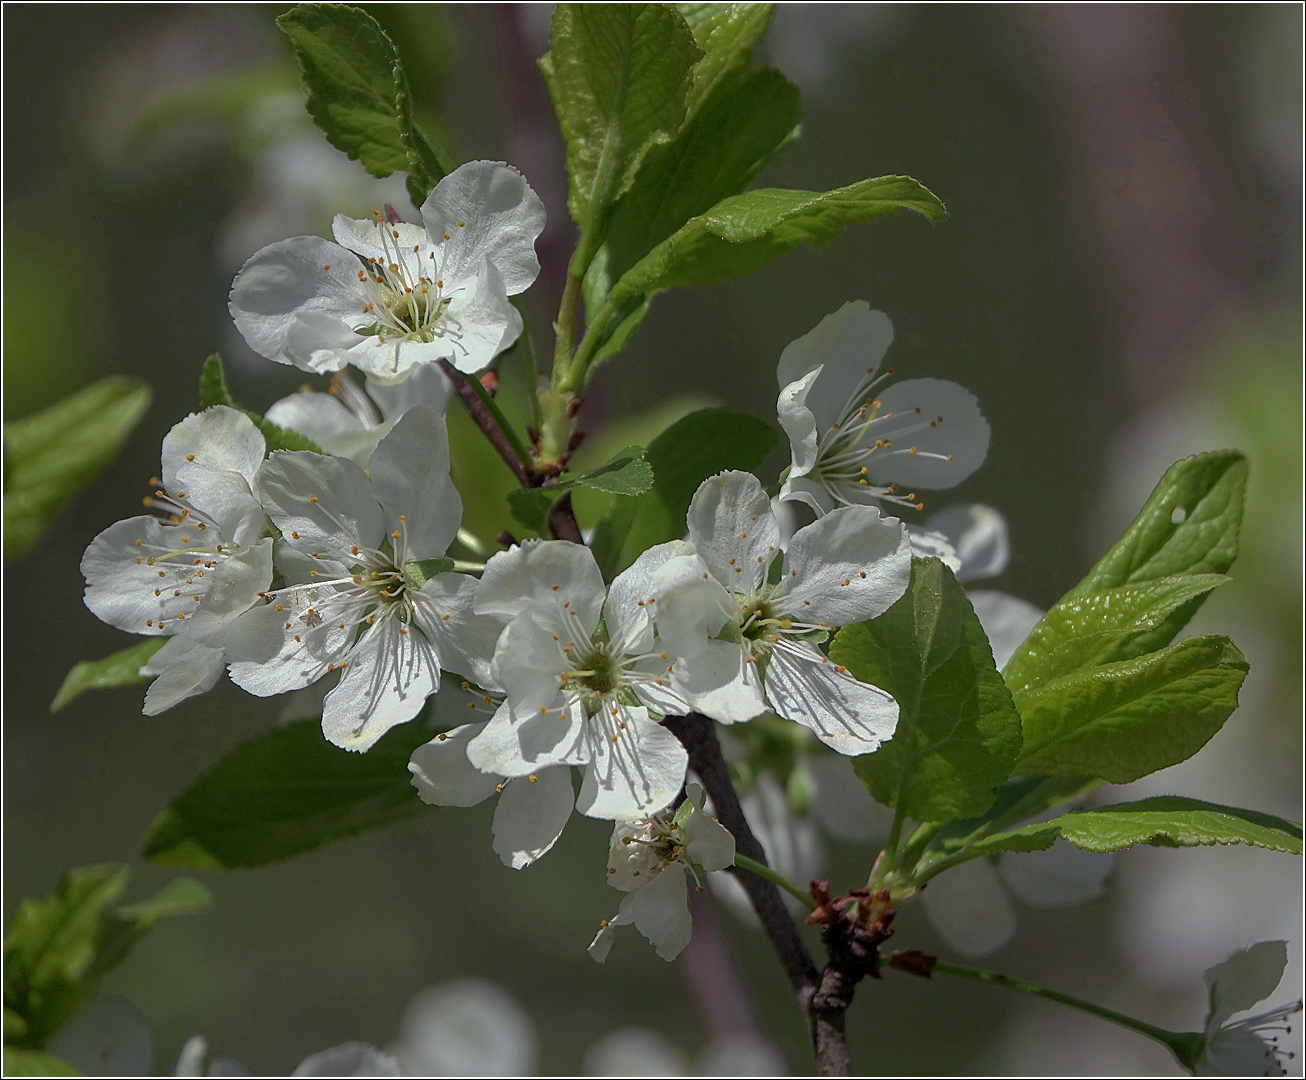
{"points": [[570, 693], [726, 619], [853, 439], [651, 861], [346, 422], [357, 600], [196, 563], [389, 297], [1250, 1046]]}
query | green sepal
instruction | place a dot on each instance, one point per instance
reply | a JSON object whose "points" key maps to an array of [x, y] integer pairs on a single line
{"points": [[213, 391], [418, 573], [121, 668]]}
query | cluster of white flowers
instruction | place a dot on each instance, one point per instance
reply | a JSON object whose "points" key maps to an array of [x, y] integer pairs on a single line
{"points": [[298, 566]]}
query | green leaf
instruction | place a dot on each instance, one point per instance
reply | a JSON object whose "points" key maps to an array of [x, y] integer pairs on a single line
{"points": [[627, 473], [618, 75], [1165, 821], [746, 232], [1088, 629], [285, 793], [52, 455], [531, 507], [15, 1026], [958, 732], [181, 896], [726, 33], [213, 391], [682, 457], [357, 93], [20, 1062], [417, 574], [1123, 720], [117, 669], [1188, 526]]}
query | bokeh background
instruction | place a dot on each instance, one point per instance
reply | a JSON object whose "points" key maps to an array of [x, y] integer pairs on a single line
{"points": [[1119, 283]]}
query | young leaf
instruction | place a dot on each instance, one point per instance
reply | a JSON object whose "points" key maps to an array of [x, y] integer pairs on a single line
{"points": [[618, 75], [1165, 821], [627, 473], [357, 93], [285, 793], [121, 668], [1097, 628], [52, 455], [746, 232], [1188, 526], [726, 33], [958, 732], [213, 391], [20, 1062], [1123, 720], [682, 457]]}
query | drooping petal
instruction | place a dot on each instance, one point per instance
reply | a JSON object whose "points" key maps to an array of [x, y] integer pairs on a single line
{"points": [[320, 503], [978, 534], [548, 573], [632, 598], [184, 668], [721, 683], [479, 323], [848, 716], [798, 423], [1060, 876], [528, 663], [391, 672], [733, 530], [217, 438], [442, 774], [1247, 977], [968, 909], [489, 212], [849, 345], [463, 640], [636, 766], [660, 911], [427, 385], [1007, 620], [806, 490], [531, 814], [846, 567], [383, 358], [692, 605], [937, 433], [304, 275], [510, 747], [709, 842], [410, 478]]}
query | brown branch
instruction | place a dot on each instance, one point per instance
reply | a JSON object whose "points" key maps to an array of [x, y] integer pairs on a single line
{"points": [[562, 522], [481, 417]]}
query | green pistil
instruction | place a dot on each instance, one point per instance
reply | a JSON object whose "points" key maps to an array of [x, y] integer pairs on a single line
{"points": [[597, 672]]}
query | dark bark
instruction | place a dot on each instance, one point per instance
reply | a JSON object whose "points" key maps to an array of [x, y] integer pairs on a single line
{"points": [[481, 416]]}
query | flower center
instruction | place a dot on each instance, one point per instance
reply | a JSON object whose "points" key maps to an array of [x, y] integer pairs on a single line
{"points": [[404, 289], [597, 671]]}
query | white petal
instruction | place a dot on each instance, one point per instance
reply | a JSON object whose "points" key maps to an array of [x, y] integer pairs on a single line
{"points": [[120, 589], [389, 677], [963, 433], [510, 747], [1238, 1052], [733, 530], [427, 385], [287, 279], [390, 361], [463, 640], [217, 438], [502, 217], [190, 1062], [543, 572], [322, 342], [373, 239], [602, 943], [792, 845], [528, 663], [1060, 876], [350, 1059], [184, 669], [806, 490], [633, 597], [637, 1052], [721, 684], [798, 423], [479, 323], [709, 842], [442, 774], [326, 500], [1245, 978], [322, 418], [850, 565], [840, 802], [927, 544], [466, 1028], [660, 911], [634, 776], [410, 478], [848, 716], [1007, 620], [531, 815], [692, 605], [848, 344], [225, 497], [107, 1037], [264, 657], [978, 534], [968, 909]]}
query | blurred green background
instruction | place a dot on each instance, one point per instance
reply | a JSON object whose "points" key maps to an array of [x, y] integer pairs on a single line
{"points": [[1119, 283]]}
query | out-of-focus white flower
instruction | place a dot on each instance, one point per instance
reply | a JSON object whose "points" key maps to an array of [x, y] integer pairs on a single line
{"points": [[348, 423], [1250, 1046], [635, 1052], [466, 1028], [192, 570], [348, 1059], [387, 296], [109, 1037], [852, 442]]}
